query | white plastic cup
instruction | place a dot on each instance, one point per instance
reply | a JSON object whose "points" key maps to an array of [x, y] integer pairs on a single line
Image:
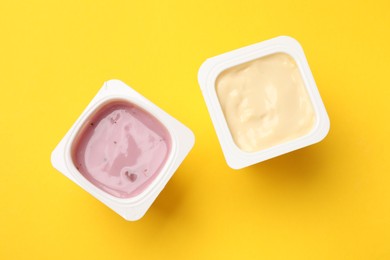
{"points": [[212, 67], [182, 141]]}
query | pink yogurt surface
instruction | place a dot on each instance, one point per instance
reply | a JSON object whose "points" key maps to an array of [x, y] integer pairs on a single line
{"points": [[121, 149]]}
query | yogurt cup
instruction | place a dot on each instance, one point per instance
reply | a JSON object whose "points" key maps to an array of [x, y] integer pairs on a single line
{"points": [[281, 110], [123, 149]]}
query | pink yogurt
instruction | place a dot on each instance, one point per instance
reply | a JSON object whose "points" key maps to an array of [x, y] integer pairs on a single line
{"points": [[121, 149]]}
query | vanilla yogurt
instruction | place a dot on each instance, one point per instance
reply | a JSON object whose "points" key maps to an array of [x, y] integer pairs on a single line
{"points": [[265, 102]]}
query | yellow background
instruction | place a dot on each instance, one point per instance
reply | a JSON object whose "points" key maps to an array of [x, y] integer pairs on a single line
{"points": [[327, 201]]}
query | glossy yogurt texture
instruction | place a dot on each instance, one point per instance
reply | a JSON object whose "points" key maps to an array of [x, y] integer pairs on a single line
{"points": [[121, 149], [265, 102]]}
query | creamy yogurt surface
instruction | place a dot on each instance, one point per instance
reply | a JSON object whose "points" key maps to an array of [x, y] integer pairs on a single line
{"points": [[121, 149], [265, 102]]}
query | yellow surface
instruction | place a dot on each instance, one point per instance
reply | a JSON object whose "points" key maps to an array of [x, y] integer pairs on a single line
{"points": [[327, 201]]}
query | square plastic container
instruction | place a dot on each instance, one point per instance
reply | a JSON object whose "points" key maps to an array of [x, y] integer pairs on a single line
{"points": [[209, 71], [181, 142]]}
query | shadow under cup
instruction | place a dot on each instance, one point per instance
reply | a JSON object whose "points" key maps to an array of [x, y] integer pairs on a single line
{"points": [[121, 148]]}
